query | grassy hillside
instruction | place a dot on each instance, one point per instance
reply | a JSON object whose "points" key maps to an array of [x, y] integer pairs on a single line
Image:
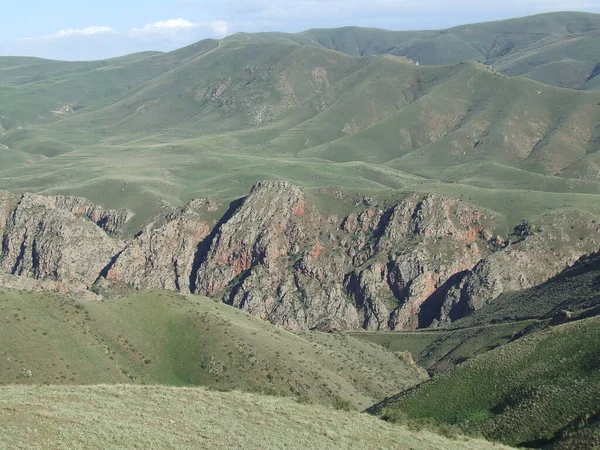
{"points": [[441, 350], [165, 338], [534, 391], [217, 117], [160, 417], [560, 49], [40, 91]]}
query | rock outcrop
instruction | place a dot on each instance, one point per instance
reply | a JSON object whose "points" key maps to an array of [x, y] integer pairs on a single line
{"points": [[558, 242], [46, 238], [110, 220], [373, 270], [7, 204], [422, 260], [162, 254]]}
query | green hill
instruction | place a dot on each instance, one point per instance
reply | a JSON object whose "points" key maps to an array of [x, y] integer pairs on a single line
{"points": [[165, 338], [560, 49], [153, 417], [539, 390], [214, 118]]}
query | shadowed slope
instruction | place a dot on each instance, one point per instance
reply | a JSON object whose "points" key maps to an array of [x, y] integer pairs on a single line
{"points": [[525, 392]]}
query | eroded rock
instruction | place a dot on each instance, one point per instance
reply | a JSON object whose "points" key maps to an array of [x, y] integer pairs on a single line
{"points": [[420, 261], [44, 239], [162, 255]]}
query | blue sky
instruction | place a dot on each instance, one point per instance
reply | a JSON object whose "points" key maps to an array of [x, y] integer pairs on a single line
{"points": [[68, 29]]}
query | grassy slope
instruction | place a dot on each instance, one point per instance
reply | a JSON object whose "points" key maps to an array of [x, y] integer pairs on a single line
{"points": [[161, 417], [522, 392], [165, 338], [440, 350], [223, 118], [560, 49], [33, 88]]}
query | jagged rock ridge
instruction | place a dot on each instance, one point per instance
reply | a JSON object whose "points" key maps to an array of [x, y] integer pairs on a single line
{"points": [[423, 260], [162, 254]]}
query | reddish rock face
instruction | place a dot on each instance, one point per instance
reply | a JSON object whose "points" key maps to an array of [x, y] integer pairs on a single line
{"points": [[375, 270], [423, 260], [162, 255]]}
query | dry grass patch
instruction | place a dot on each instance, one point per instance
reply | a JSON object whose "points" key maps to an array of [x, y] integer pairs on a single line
{"points": [[163, 417]]}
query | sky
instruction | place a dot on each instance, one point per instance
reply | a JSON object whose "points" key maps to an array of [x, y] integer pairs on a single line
{"points": [[94, 29]]}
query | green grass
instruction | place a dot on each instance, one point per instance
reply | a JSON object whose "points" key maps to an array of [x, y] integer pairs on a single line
{"points": [[531, 390], [213, 118], [166, 338], [440, 350], [560, 49], [154, 417]]}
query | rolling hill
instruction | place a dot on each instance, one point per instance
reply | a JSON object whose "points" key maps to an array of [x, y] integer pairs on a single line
{"points": [[214, 118], [164, 338], [126, 368], [560, 49], [335, 180]]}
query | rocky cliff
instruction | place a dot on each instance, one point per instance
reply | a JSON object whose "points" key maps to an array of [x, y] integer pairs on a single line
{"points": [[55, 238], [162, 255], [419, 261], [542, 252], [282, 260]]}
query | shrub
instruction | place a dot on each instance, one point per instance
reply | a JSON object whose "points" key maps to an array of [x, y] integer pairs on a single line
{"points": [[448, 431], [343, 404], [394, 415]]}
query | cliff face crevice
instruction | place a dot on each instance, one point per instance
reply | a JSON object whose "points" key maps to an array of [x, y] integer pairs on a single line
{"points": [[420, 261], [162, 254], [53, 238]]}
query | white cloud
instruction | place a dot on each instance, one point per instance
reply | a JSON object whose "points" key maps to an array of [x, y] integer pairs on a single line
{"points": [[174, 26], [99, 42], [166, 25], [171, 27], [219, 27], [87, 31], [84, 31]]}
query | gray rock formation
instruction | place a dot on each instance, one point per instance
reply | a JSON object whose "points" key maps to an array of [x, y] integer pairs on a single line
{"points": [[374, 271], [423, 260], [110, 220], [162, 254], [558, 242], [44, 238]]}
